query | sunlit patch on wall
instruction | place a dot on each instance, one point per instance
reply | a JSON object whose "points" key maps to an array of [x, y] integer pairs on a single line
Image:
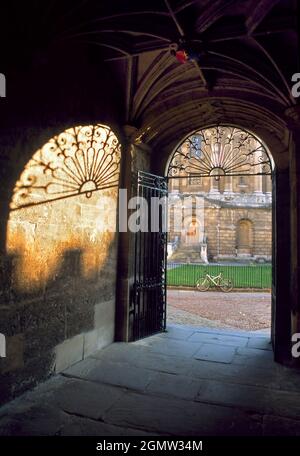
{"points": [[63, 210], [79, 160]]}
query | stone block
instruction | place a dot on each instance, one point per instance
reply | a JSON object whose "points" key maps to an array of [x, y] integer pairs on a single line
{"points": [[178, 386], [69, 352], [279, 426], [170, 347], [79, 426], [114, 373], [221, 339], [176, 332], [262, 343], [216, 353], [104, 313], [79, 314], [14, 354], [98, 339], [34, 420], [180, 417], [79, 397]]}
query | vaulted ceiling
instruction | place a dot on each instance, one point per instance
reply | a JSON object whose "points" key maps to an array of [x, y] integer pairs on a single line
{"points": [[246, 54]]}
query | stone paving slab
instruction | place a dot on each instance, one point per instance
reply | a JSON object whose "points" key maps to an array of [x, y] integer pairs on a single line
{"points": [[163, 363], [220, 331], [158, 386], [289, 379], [178, 386], [34, 420], [233, 341], [262, 343], [119, 352], [235, 332], [84, 398], [113, 373], [171, 347], [178, 417], [216, 353], [255, 353], [259, 362], [79, 426], [177, 332], [236, 374], [276, 425], [256, 358], [251, 398], [69, 395]]}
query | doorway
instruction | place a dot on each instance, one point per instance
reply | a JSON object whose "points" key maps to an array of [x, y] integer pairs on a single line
{"points": [[220, 196]]}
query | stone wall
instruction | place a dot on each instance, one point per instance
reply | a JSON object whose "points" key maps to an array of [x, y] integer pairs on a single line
{"points": [[218, 224], [238, 184], [221, 226], [58, 281]]}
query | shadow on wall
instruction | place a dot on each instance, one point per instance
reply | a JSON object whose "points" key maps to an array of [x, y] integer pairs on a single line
{"points": [[58, 273], [59, 321]]}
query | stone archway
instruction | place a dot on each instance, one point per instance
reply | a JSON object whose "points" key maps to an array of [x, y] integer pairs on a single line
{"points": [[234, 163]]}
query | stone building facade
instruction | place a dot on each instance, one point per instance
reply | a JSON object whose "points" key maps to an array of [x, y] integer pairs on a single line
{"points": [[225, 219]]}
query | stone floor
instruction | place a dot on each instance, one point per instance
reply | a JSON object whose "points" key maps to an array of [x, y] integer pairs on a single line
{"points": [[184, 382]]}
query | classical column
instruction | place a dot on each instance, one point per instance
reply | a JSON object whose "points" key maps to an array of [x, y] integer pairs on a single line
{"points": [[228, 185], [258, 187], [228, 179], [268, 185]]}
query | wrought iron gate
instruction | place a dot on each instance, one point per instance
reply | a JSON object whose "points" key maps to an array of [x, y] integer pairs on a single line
{"points": [[148, 294]]}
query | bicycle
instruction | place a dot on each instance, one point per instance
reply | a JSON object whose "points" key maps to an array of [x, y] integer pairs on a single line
{"points": [[204, 283]]}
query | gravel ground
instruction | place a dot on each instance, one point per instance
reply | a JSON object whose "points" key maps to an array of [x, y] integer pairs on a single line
{"points": [[247, 311]]}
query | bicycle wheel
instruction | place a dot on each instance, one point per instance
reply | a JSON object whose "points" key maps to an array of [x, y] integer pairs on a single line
{"points": [[202, 284], [226, 285]]}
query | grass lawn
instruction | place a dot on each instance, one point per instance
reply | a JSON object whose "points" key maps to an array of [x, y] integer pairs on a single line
{"points": [[242, 276]]}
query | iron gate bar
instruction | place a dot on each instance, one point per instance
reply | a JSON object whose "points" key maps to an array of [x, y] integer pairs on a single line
{"points": [[148, 297]]}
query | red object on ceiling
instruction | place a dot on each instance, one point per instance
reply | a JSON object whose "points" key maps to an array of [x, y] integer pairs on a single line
{"points": [[181, 56]]}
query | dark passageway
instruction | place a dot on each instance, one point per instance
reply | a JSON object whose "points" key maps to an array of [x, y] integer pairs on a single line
{"points": [[95, 97]]}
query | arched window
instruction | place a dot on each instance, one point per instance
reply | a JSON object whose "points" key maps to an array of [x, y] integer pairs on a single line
{"points": [[245, 237]]}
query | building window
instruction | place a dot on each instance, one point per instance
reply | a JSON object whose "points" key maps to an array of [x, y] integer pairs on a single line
{"points": [[243, 181], [195, 180]]}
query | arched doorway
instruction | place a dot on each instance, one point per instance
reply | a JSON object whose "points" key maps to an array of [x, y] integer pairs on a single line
{"points": [[234, 171]]}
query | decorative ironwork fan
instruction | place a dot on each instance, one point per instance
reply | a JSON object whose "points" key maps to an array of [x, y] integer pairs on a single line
{"points": [[220, 151], [78, 161]]}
